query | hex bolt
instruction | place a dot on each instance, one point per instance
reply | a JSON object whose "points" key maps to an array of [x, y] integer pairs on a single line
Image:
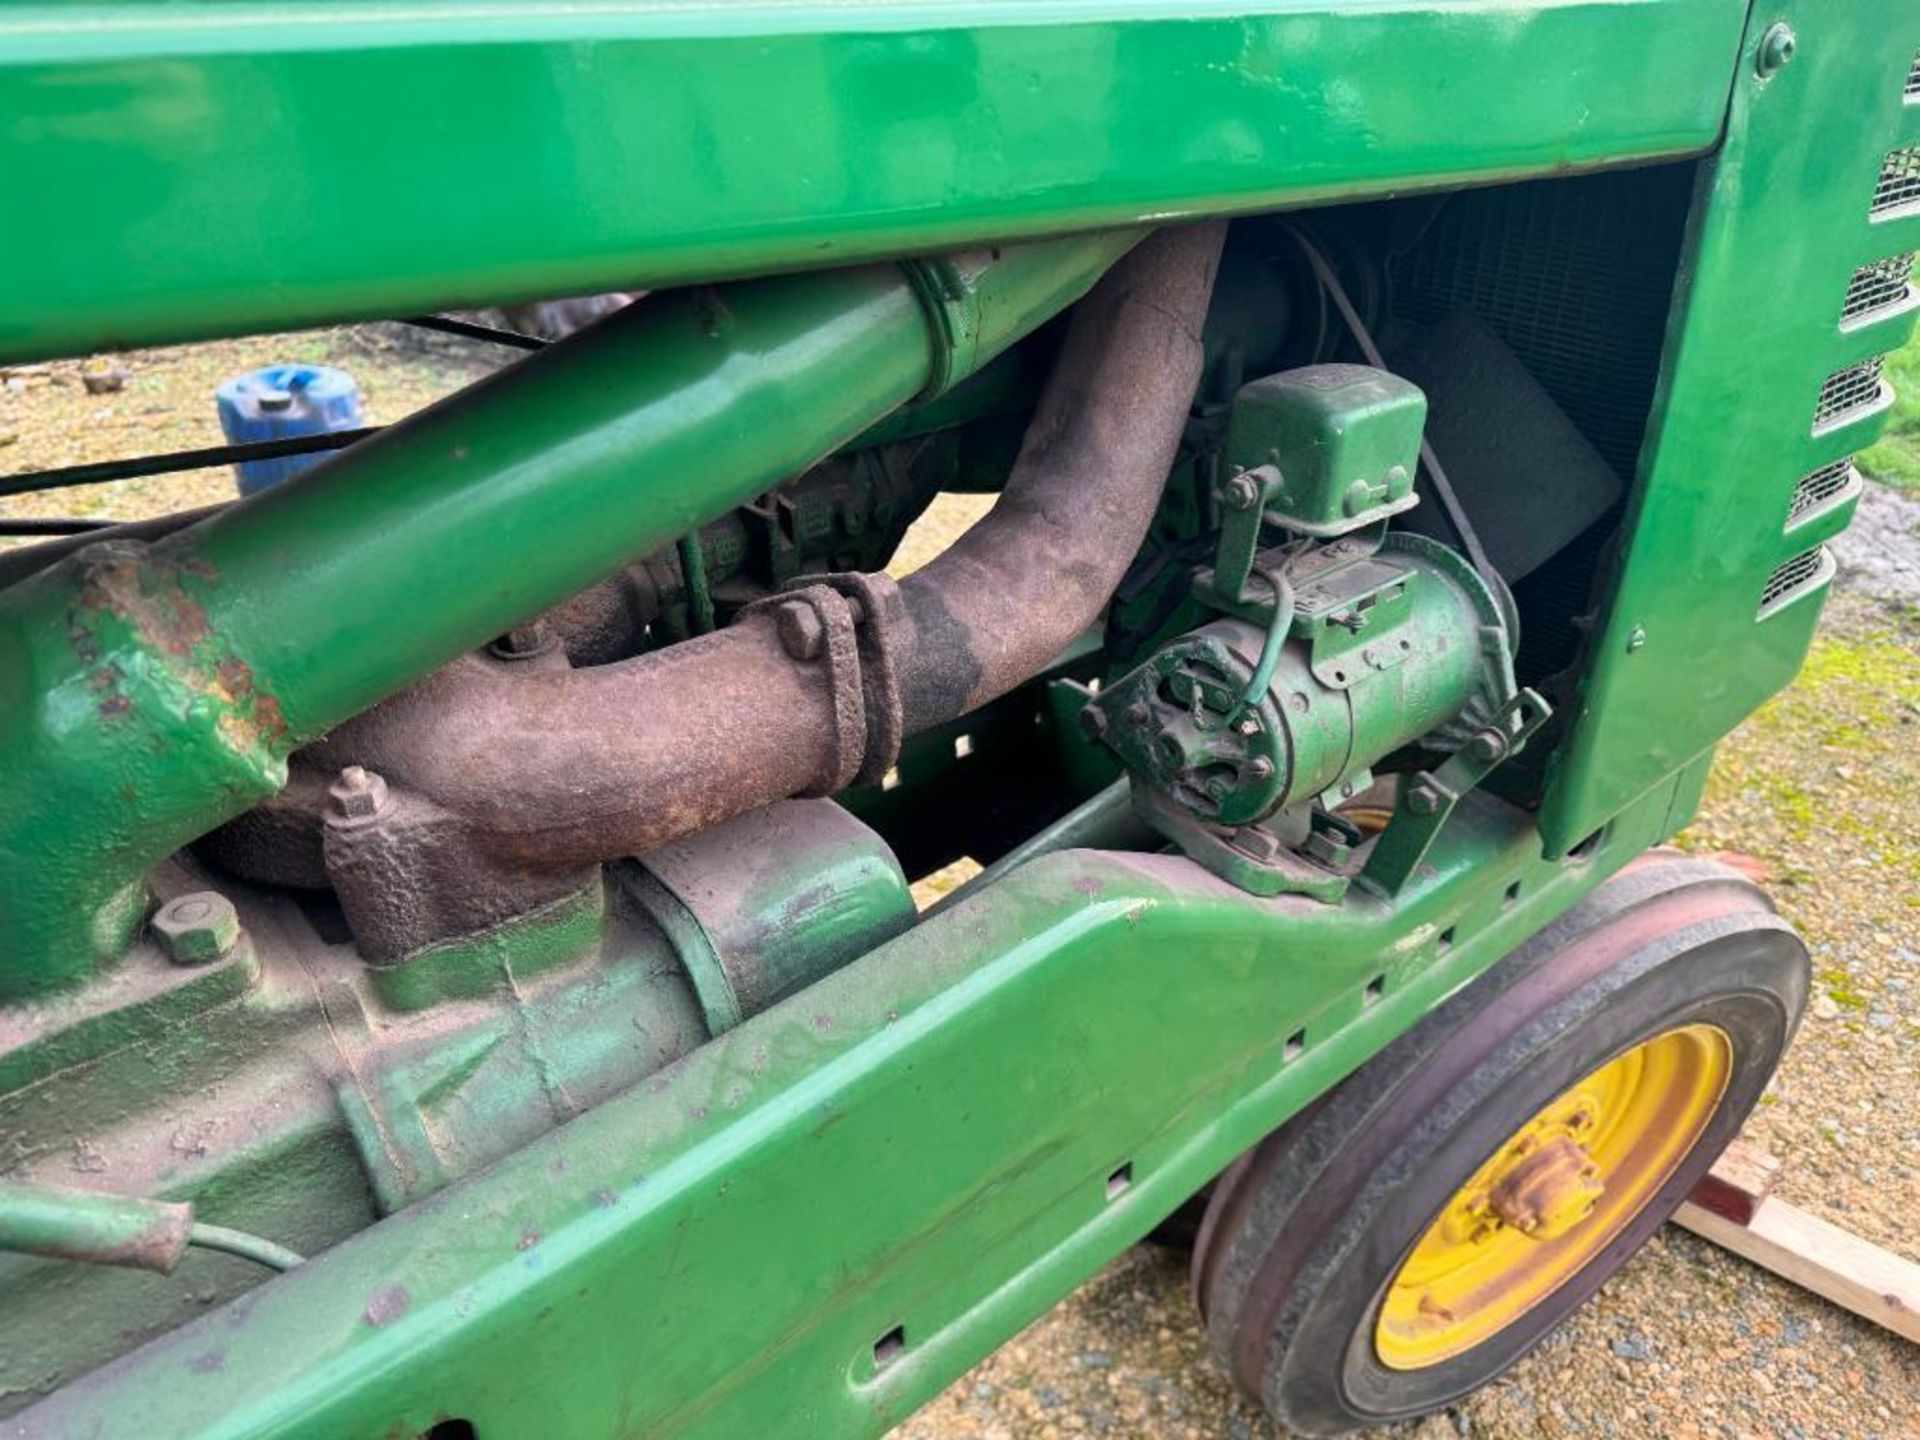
{"points": [[524, 642], [1776, 48], [1138, 713], [1260, 768], [358, 794], [1093, 721], [197, 929], [1242, 492], [1489, 745], [802, 635], [1423, 799]]}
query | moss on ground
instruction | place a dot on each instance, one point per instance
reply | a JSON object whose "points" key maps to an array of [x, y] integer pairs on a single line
{"points": [[1896, 459]]}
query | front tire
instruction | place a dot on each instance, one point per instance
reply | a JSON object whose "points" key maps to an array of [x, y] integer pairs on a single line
{"points": [[1423, 1225]]}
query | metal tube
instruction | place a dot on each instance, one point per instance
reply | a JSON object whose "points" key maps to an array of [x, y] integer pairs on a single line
{"points": [[1105, 820], [1007, 597], [152, 692], [93, 1228], [24, 560], [247, 1247]]}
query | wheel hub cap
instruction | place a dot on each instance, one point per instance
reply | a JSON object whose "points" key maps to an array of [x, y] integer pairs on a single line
{"points": [[1552, 1196]]}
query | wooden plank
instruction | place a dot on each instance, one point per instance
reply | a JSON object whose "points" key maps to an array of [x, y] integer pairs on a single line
{"points": [[1821, 1257], [1740, 1179]]}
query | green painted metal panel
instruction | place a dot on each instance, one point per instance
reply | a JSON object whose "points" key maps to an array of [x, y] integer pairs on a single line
{"points": [[926, 1140], [173, 171], [1782, 223]]}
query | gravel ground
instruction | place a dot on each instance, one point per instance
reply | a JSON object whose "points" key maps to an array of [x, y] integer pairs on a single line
{"points": [[1687, 1341], [1879, 555], [47, 419]]}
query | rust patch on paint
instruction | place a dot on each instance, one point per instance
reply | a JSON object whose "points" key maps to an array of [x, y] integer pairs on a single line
{"points": [[142, 588]]}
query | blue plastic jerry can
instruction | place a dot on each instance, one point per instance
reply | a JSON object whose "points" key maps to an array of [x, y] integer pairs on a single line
{"points": [[277, 402]]}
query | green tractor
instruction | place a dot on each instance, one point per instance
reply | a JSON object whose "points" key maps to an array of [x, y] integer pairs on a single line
{"points": [[459, 968]]}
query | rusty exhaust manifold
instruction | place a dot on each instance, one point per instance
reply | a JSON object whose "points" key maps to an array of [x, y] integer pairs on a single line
{"points": [[498, 785]]}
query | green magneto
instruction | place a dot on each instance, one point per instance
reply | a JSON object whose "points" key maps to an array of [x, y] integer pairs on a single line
{"points": [[1341, 693], [1344, 642]]}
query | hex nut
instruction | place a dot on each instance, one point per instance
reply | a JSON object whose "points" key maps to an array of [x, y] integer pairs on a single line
{"points": [[802, 635], [359, 794], [525, 642], [1489, 745], [1242, 492], [1255, 841], [197, 929]]}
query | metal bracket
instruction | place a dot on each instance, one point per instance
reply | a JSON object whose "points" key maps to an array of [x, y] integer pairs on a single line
{"points": [[1427, 799], [944, 286], [816, 623], [879, 616], [1243, 500], [855, 618], [1252, 858]]}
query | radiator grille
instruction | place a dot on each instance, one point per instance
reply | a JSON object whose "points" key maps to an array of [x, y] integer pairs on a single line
{"points": [[1899, 187], [1913, 80], [1850, 392], [1804, 572], [1576, 276], [1814, 491], [1879, 286]]}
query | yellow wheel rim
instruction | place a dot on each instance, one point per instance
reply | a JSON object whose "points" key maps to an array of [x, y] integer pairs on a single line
{"points": [[1552, 1197]]}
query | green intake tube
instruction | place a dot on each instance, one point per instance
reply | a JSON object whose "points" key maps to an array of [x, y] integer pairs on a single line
{"points": [[150, 692]]}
